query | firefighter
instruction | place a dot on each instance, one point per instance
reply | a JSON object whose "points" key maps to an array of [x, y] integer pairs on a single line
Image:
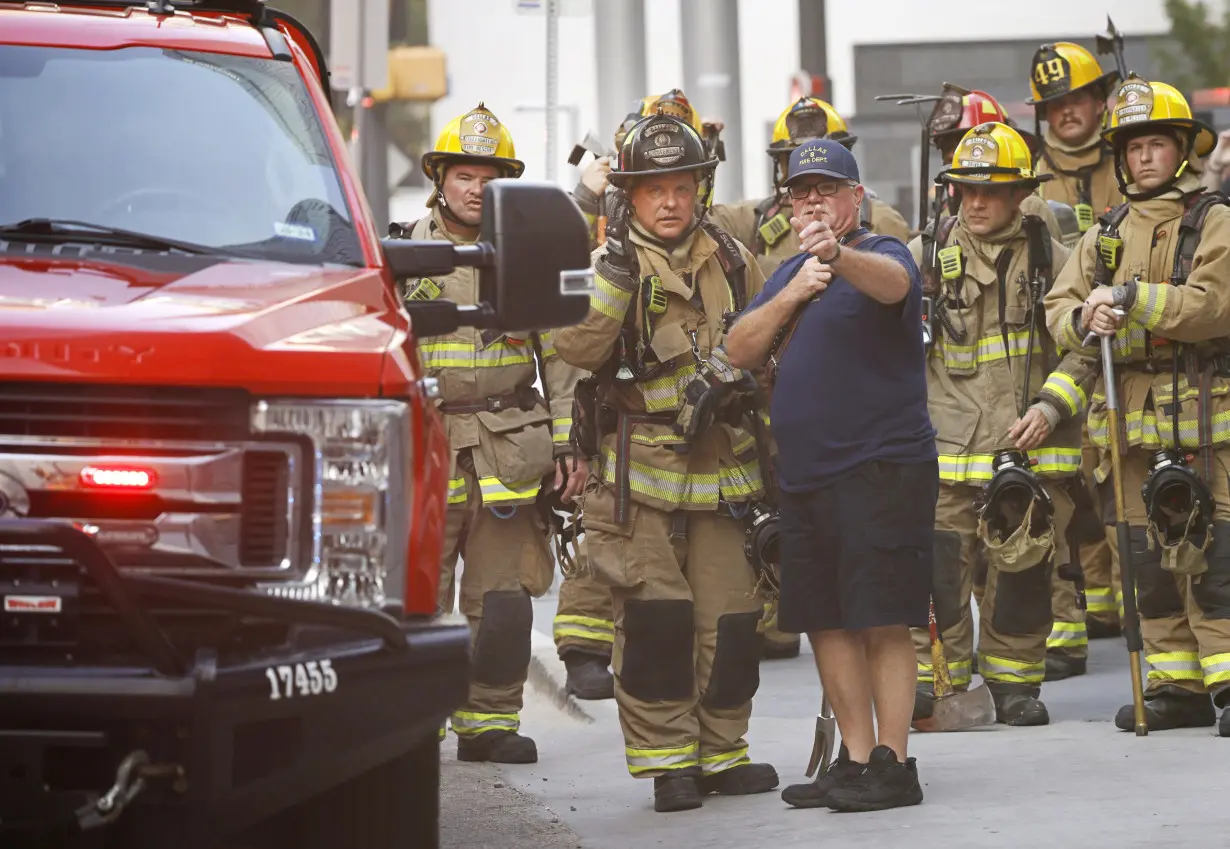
{"points": [[671, 424], [1007, 418], [506, 444], [957, 112], [1162, 259], [1069, 92], [764, 227]]}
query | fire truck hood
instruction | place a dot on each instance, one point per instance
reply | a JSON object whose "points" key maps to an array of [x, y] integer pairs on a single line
{"points": [[156, 319]]}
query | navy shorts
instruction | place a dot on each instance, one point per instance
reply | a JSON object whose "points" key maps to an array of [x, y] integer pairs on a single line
{"points": [[857, 553]]}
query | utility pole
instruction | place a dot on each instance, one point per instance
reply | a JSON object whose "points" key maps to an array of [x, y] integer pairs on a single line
{"points": [[552, 87], [813, 44], [710, 35], [619, 53]]}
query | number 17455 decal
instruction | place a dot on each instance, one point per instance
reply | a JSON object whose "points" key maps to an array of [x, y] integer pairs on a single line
{"points": [[301, 679]]}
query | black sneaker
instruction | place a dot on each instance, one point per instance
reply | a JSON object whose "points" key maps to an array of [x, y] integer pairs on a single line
{"points": [[676, 791], [884, 783], [815, 794]]}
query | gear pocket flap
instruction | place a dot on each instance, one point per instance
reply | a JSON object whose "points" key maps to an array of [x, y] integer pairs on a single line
{"points": [[954, 425], [517, 447]]}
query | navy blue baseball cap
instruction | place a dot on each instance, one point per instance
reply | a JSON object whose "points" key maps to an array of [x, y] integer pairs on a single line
{"points": [[823, 158]]}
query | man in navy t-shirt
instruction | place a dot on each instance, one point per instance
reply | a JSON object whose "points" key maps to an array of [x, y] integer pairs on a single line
{"points": [[840, 327]]}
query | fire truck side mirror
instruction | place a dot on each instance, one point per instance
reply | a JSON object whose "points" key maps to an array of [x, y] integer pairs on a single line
{"points": [[539, 276], [532, 259]]}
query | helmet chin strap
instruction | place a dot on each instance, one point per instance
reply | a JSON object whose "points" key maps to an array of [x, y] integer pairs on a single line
{"points": [[1122, 178]]}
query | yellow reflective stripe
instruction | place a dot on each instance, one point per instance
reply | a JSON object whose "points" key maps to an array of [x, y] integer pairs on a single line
{"points": [[960, 672], [1098, 600], [495, 491], [737, 482], [1150, 303], [960, 468], [740, 482], [560, 429], [1069, 337], [1174, 666], [988, 349], [584, 628], [443, 731], [660, 439], [641, 761], [1067, 635], [713, 764], [457, 491], [1065, 387], [546, 339], [470, 724], [663, 394], [1216, 668], [469, 355], [609, 299], [1007, 671]]}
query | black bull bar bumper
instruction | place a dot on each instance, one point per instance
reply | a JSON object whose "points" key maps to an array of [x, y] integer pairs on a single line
{"points": [[218, 742]]}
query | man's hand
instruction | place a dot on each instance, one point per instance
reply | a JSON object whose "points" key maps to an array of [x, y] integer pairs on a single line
{"points": [[1031, 430], [812, 279], [577, 475], [594, 177], [1098, 314], [817, 239]]}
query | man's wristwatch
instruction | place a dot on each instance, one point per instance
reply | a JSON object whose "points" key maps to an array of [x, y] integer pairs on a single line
{"points": [[836, 256]]}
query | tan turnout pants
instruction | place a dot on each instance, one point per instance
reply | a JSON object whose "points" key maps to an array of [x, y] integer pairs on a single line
{"points": [[507, 560], [1014, 609], [584, 619], [687, 642]]}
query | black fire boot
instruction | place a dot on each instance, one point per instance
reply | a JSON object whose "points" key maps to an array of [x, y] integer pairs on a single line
{"points": [[815, 794], [1018, 704], [1223, 727], [676, 791], [1099, 630], [924, 702], [781, 651], [588, 676], [1061, 666], [1169, 708], [885, 783], [742, 780], [497, 747]]}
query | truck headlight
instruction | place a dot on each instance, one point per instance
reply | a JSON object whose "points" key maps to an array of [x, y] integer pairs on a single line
{"points": [[361, 484]]}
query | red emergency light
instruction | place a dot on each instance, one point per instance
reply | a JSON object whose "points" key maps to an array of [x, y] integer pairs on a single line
{"points": [[118, 477]]}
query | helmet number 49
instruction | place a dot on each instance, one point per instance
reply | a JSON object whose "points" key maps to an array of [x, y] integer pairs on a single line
{"points": [[1050, 71]]}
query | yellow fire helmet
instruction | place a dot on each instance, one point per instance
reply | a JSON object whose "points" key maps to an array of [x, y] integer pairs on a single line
{"points": [[1141, 107], [476, 137], [806, 119], [674, 103], [993, 153], [1064, 67]]}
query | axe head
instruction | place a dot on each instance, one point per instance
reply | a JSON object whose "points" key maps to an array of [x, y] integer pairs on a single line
{"points": [[823, 745], [591, 144], [1109, 40], [960, 711]]}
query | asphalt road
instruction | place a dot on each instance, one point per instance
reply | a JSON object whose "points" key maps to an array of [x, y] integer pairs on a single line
{"points": [[1076, 783]]}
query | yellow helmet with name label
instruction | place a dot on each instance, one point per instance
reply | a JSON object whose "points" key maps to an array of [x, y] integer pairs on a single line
{"points": [[993, 153]]}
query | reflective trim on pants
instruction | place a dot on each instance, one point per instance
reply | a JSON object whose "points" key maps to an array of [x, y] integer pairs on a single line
{"points": [[443, 731], [1005, 671], [960, 672], [584, 628], [1216, 669], [713, 764], [470, 724], [643, 761], [1067, 635], [1174, 666], [1099, 600]]}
